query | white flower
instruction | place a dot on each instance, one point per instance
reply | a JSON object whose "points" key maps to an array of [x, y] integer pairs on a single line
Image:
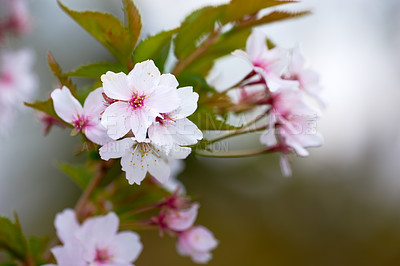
{"points": [[197, 242], [269, 63], [138, 158], [96, 242], [86, 118], [18, 83], [142, 95], [174, 128]]}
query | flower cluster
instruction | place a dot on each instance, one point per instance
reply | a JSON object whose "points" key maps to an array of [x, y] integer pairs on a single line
{"points": [[279, 80], [177, 217], [95, 242], [140, 117]]}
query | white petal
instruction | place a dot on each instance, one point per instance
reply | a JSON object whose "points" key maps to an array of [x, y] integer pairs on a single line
{"points": [[140, 121], [66, 225], [98, 230], [116, 149], [116, 118], [144, 77], [116, 86], [256, 45], [70, 254], [177, 152], [135, 167], [94, 103], [188, 100], [168, 80], [164, 99], [268, 137], [97, 134], [128, 246], [158, 168], [65, 105]]}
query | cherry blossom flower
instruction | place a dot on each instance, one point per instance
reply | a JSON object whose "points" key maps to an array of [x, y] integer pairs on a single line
{"points": [[307, 78], [140, 157], [181, 220], [86, 118], [96, 242], [174, 128], [18, 83], [197, 242], [270, 63], [141, 96]]}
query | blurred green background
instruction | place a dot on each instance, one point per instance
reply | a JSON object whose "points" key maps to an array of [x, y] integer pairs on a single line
{"points": [[341, 207]]}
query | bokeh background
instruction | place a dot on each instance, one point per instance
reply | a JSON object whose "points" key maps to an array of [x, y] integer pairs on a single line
{"points": [[342, 205]]}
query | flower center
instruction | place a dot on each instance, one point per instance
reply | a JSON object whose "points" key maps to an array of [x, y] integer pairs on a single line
{"points": [[137, 101], [80, 122], [164, 118], [107, 100], [102, 256]]}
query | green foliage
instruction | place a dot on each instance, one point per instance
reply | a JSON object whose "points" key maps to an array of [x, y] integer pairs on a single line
{"points": [[45, 107], [274, 17], [12, 239], [199, 24], [238, 9], [155, 47], [57, 71], [37, 247], [81, 174], [109, 31], [95, 70]]}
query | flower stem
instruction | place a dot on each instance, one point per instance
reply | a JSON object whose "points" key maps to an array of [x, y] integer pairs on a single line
{"points": [[237, 154]]}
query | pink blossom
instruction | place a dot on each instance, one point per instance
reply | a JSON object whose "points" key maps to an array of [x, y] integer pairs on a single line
{"points": [[307, 78], [270, 63], [181, 220], [86, 118], [140, 157], [96, 242], [18, 83], [141, 96], [197, 242], [174, 128]]}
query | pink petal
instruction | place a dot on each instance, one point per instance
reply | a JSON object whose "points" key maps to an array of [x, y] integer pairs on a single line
{"points": [[66, 225], [65, 105], [97, 134], [94, 103]]}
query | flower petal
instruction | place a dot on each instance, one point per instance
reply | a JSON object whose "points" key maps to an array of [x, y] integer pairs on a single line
{"points": [[116, 149], [164, 99], [128, 246], [134, 166], [66, 225], [144, 77], [256, 45], [65, 105], [94, 103], [97, 134], [158, 168], [115, 86], [168, 80], [188, 102], [140, 121], [115, 119]]}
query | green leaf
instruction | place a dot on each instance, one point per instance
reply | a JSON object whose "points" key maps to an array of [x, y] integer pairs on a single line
{"points": [[8, 264], [107, 29], [196, 26], [95, 70], [274, 17], [12, 239], [44, 106], [155, 47], [207, 120], [57, 71], [37, 247], [81, 174], [226, 44], [133, 20], [238, 9]]}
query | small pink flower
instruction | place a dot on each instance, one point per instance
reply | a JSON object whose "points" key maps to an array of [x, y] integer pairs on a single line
{"points": [[197, 242], [181, 220], [96, 242], [270, 63], [86, 118]]}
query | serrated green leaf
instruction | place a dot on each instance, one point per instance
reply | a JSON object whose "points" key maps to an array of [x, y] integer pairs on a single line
{"points": [[196, 26], [95, 70], [107, 29], [133, 20], [12, 239], [274, 17], [81, 174], [155, 47], [238, 9], [57, 71]]}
